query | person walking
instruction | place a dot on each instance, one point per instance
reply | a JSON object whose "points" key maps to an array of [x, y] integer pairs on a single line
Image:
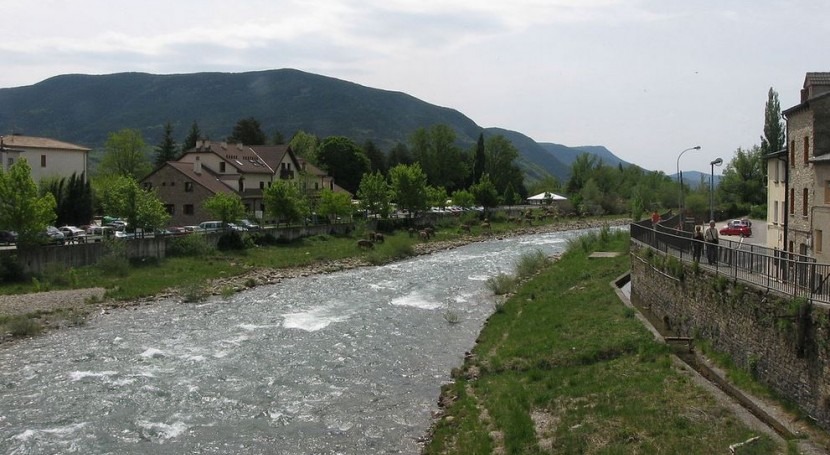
{"points": [[697, 243], [711, 238]]}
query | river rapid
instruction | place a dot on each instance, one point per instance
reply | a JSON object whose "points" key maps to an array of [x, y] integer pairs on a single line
{"points": [[342, 363]]}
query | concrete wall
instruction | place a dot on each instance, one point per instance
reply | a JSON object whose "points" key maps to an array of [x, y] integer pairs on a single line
{"points": [[37, 260], [785, 345]]}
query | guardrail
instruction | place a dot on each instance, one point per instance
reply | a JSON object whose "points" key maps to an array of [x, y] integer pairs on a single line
{"points": [[789, 273]]}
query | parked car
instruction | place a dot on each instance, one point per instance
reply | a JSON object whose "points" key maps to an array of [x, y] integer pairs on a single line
{"points": [[8, 237], [737, 227], [53, 235], [248, 225], [211, 226], [73, 234]]}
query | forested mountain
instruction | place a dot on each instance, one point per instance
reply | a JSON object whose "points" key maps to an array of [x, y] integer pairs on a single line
{"points": [[84, 109]]}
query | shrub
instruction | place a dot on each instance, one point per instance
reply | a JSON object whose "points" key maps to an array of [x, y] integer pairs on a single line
{"points": [[230, 241], [55, 274], [194, 293], [501, 284], [114, 262], [264, 239], [189, 246], [400, 247], [22, 326], [11, 271], [531, 263]]}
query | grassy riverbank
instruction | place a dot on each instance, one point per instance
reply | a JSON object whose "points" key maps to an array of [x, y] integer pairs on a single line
{"points": [[564, 367]]}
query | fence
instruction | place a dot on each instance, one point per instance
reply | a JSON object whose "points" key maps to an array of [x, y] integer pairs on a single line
{"points": [[778, 270]]}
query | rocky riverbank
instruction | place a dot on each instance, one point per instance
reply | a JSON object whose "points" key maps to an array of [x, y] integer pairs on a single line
{"points": [[58, 309]]}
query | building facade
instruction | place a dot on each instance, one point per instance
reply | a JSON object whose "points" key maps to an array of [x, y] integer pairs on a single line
{"points": [[48, 158], [808, 170], [219, 167]]}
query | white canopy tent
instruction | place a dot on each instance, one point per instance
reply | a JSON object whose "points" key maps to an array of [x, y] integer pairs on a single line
{"points": [[543, 198]]}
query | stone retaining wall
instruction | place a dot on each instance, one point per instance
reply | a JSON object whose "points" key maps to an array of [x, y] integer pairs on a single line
{"points": [[783, 342]]}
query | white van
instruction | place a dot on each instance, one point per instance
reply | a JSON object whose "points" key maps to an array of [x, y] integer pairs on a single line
{"points": [[211, 226]]}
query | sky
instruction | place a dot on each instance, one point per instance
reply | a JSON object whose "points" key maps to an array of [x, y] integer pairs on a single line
{"points": [[647, 79]]}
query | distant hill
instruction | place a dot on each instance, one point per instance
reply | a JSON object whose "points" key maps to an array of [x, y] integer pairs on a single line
{"points": [[695, 179], [84, 109], [567, 155]]}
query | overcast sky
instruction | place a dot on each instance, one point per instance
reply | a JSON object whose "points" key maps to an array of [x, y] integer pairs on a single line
{"points": [[645, 78]]}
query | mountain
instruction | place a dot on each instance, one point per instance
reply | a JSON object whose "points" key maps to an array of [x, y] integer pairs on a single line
{"points": [[84, 109], [696, 179]]}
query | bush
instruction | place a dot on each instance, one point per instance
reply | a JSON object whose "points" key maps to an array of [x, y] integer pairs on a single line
{"points": [[11, 271], [114, 262], [189, 246], [501, 284], [264, 239], [230, 241], [55, 274], [531, 263], [21, 326]]}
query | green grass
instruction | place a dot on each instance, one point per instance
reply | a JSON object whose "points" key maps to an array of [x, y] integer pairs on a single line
{"points": [[568, 353]]}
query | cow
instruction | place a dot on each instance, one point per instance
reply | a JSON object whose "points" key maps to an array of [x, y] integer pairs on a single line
{"points": [[365, 244]]}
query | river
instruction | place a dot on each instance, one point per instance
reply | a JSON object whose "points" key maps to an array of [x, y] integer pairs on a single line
{"points": [[343, 363]]}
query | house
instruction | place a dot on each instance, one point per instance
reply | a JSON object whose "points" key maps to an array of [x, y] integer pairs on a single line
{"points": [[47, 157], [808, 170], [219, 167], [545, 198], [776, 198]]}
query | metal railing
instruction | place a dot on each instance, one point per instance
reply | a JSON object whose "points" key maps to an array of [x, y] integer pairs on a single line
{"points": [[788, 273]]}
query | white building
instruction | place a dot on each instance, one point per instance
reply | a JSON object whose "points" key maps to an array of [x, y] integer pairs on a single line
{"points": [[47, 157]]}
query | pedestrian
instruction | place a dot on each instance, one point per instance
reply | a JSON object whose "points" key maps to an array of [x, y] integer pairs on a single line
{"points": [[697, 243], [711, 238], [655, 218]]}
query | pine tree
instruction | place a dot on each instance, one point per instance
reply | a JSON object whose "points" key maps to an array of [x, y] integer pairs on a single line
{"points": [[192, 137], [167, 149]]}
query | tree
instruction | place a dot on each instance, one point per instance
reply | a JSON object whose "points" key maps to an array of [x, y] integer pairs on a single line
{"points": [[744, 181], [227, 207], [485, 193], [463, 199], [21, 208], [192, 137], [73, 198], [510, 196], [409, 187], [582, 169], [167, 149], [121, 196], [377, 160], [304, 146], [125, 155], [773, 138], [546, 183], [248, 131], [334, 205], [436, 196], [399, 154], [343, 160], [439, 157], [480, 159], [374, 194], [278, 138], [500, 164], [284, 202]]}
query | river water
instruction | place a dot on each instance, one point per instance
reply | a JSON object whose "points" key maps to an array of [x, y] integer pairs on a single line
{"points": [[344, 363]]}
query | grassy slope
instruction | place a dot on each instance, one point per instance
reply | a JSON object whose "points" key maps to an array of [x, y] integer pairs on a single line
{"points": [[566, 351]]}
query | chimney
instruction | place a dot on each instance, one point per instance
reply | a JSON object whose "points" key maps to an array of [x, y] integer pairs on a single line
{"points": [[197, 166], [239, 146]]}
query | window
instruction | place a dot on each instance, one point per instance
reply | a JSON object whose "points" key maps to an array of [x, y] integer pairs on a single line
{"points": [[792, 201], [188, 187], [827, 191], [817, 241], [262, 185], [222, 167], [171, 209], [42, 160], [775, 212], [774, 171], [806, 149], [188, 209], [804, 202], [792, 153]]}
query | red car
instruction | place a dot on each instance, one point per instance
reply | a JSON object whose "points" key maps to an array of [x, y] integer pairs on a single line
{"points": [[737, 227]]}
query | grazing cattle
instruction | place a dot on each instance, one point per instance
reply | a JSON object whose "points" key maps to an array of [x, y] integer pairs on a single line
{"points": [[424, 235], [377, 237], [465, 228], [485, 225], [365, 244], [430, 231]]}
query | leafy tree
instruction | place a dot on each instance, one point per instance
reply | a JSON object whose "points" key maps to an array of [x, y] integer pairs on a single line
{"points": [[121, 196], [592, 198], [374, 194], [377, 160], [343, 160], [441, 160], [409, 187], [284, 202], [21, 208], [463, 198], [436, 196], [582, 169], [773, 138], [479, 164], [192, 137], [249, 132], [278, 138], [125, 155], [167, 149], [304, 145], [743, 179], [399, 154], [333, 205], [500, 164], [510, 196], [227, 207], [485, 193], [547, 183]]}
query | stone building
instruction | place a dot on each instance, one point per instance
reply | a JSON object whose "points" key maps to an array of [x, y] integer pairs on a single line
{"points": [[219, 167], [808, 170]]}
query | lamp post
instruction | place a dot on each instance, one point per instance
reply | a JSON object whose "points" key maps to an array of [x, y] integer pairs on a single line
{"points": [[716, 162], [680, 177]]}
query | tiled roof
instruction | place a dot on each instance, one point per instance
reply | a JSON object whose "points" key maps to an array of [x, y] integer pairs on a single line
{"points": [[14, 140], [247, 158], [817, 79], [205, 178]]}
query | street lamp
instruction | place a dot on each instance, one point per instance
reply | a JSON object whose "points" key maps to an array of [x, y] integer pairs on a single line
{"points": [[714, 163], [680, 177]]}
